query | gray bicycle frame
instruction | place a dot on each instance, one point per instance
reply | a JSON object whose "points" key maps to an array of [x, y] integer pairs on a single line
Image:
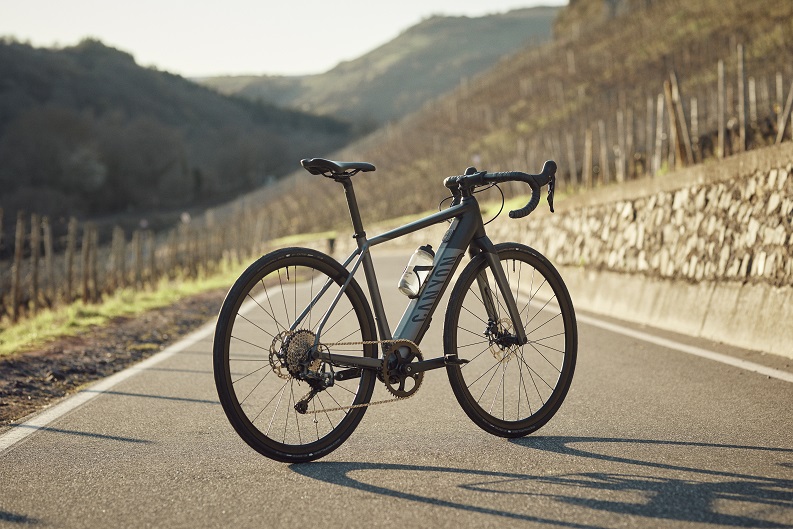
{"points": [[466, 232]]}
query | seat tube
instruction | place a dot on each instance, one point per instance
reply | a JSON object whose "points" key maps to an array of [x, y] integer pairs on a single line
{"points": [[368, 266]]}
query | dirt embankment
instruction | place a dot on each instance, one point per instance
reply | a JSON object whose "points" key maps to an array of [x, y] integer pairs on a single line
{"points": [[33, 379]]}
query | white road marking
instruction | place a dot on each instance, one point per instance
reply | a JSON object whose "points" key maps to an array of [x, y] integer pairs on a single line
{"points": [[689, 349], [19, 432]]}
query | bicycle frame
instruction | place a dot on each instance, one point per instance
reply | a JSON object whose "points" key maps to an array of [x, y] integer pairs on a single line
{"points": [[466, 232]]}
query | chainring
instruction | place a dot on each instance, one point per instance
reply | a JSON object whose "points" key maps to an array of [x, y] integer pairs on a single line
{"points": [[398, 379]]}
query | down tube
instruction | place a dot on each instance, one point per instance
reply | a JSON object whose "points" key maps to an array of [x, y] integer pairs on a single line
{"points": [[417, 316]]}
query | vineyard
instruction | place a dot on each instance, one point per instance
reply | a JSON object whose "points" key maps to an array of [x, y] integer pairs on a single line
{"points": [[665, 85]]}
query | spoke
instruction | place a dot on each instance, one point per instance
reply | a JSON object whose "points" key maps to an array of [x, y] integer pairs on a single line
{"points": [[544, 357], [473, 343], [255, 325], [277, 323], [269, 302], [531, 296], [525, 391], [249, 343], [249, 374], [316, 422], [254, 388], [538, 313], [345, 389], [310, 303], [278, 405], [535, 373], [477, 334], [474, 315], [268, 402], [288, 404], [544, 323], [337, 321], [337, 403], [332, 426], [481, 376], [282, 291], [474, 358]]}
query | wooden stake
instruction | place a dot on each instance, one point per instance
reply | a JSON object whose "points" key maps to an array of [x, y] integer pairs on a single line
{"points": [[659, 134], [49, 265], [35, 254], [681, 125], [722, 122], [16, 272], [71, 247], [571, 159], [605, 175], [741, 99], [85, 259], [783, 118], [587, 169]]}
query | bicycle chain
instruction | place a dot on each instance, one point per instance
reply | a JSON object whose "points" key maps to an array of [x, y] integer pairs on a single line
{"points": [[367, 404]]}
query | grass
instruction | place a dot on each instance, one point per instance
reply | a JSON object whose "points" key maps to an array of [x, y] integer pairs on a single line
{"points": [[78, 317]]}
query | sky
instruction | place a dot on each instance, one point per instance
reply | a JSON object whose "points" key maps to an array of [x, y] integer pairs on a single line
{"points": [[197, 38]]}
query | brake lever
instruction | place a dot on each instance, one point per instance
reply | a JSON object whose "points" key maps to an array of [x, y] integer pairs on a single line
{"points": [[551, 188]]}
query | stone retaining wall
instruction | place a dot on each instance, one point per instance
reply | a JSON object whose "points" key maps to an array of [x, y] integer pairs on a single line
{"points": [[707, 251]]}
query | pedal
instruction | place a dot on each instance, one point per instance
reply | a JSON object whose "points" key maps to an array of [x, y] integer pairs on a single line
{"points": [[454, 361]]}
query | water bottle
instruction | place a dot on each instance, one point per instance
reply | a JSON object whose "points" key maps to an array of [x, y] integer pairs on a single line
{"points": [[416, 271]]}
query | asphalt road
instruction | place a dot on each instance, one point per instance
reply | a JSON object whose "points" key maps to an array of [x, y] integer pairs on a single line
{"points": [[648, 437]]}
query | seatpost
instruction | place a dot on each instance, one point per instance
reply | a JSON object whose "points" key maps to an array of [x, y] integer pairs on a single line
{"points": [[355, 214]]}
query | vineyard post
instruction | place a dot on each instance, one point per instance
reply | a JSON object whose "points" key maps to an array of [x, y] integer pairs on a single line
{"points": [[604, 160], [721, 111], [71, 246], [659, 134], [648, 137], [153, 272], [19, 247], [752, 102], [783, 118], [586, 171], [93, 264], [85, 256], [780, 96], [695, 130], [675, 160], [630, 142], [35, 254], [137, 252], [681, 124], [574, 180], [620, 159], [49, 256], [741, 98]]}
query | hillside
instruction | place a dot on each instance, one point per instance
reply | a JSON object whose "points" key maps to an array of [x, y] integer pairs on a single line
{"points": [[395, 79], [86, 131], [591, 100]]}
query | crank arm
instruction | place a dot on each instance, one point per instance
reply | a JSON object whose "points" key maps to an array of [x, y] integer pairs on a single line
{"points": [[433, 363]]}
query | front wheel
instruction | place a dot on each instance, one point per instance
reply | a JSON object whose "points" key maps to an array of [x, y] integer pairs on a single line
{"points": [[281, 402], [511, 390]]}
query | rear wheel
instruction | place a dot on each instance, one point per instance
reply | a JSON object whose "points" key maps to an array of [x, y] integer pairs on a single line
{"points": [[511, 390], [281, 402]]}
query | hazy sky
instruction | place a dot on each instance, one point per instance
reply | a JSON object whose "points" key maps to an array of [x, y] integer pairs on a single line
{"points": [[197, 38]]}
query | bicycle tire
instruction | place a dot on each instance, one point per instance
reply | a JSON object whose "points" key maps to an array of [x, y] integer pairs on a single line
{"points": [[258, 311], [538, 373]]}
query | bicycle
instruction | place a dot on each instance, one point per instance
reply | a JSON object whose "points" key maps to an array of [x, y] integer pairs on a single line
{"points": [[296, 345]]}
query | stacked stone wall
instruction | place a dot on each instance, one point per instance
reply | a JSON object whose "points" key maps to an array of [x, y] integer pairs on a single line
{"points": [[740, 229]]}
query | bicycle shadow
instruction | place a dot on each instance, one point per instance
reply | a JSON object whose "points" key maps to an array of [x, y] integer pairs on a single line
{"points": [[680, 498]]}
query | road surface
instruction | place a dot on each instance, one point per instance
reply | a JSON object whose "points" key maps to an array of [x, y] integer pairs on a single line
{"points": [[649, 436]]}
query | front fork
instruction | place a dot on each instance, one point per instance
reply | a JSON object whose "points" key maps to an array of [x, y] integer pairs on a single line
{"points": [[484, 246]]}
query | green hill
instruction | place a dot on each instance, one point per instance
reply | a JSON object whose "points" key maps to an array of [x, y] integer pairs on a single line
{"points": [[397, 78], [85, 131]]}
